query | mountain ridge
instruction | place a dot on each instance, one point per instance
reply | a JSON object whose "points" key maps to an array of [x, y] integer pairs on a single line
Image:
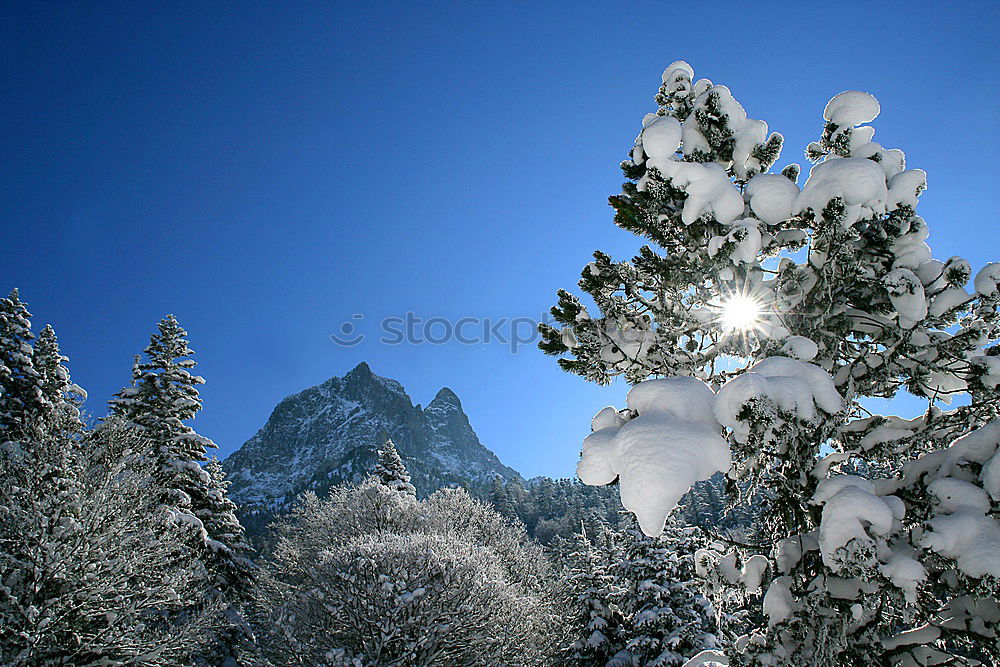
{"points": [[328, 433]]}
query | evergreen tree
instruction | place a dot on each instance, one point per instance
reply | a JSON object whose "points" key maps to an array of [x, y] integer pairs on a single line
{"points": [[163, 396], [760, 356], [667, 619], [62, 399], [390, 470], [597, 622], [20, 384], [160, 401]]}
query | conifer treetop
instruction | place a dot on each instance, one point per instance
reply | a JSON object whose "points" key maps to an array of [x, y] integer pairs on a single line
{"points": [[390, 470]]}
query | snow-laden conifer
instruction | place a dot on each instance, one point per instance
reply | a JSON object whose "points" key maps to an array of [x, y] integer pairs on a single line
{"points": [[391, 471], [20, 384], [754, 325], [61, 397]]}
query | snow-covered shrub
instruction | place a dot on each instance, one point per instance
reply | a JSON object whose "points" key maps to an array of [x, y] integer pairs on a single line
{"points": [[374, 575], [753, 327], [92, 570]]}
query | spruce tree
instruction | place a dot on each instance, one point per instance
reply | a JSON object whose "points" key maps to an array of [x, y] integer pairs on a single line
{"points": [[163, 396], [61, 397], [20, 384], [390, 470], [161, 400], [596, 621], [753, 325]]}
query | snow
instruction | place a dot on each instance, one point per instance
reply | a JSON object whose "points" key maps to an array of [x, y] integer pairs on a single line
{"points": [[607, 418], [753, 572], [788, 553], [771, 197], [794, 386], [849, 515], [949, 299], [905, 187], [906, 293], [972, 539], [987, 281], [745, 239], [800, 348], [661, 138], [851, 108], [954, 494], [778, 601], [658, 455], [678, 69], [925, 634], [708, 658], [860, 183], [905, 573]]}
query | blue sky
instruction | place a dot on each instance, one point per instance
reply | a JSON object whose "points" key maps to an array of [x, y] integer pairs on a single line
{"points": [[265, 171]]}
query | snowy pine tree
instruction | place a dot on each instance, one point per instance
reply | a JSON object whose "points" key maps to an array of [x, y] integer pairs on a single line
{"points": [[20, 384], [667, 619], [163, 396], [61, 398], [597, 622], [765, 314], [390, 470]]}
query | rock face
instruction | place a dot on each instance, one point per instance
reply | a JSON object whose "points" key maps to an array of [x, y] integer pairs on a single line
{"points": [[328, 434]]}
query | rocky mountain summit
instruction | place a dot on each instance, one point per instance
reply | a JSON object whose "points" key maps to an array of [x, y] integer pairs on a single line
{"points": [[328, 434]]}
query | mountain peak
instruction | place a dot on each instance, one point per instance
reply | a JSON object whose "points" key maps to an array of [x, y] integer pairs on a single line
{"points": [[362, 370], [322, 435], [446, 395]]}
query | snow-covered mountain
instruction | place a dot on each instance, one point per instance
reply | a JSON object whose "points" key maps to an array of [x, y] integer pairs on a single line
{"points": [[328, 434]]}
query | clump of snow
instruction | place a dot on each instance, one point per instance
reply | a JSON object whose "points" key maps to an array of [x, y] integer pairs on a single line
{"points": [[969, 537], [658, 455], [851, 107], [860, 183], [771, 197], [778, 601], [707, 185], [794, 386], [904, 573], [753, 572], [852, 514], [678, 69], [708, 658], [661, 138], [925, 634], [905, 187], [987, 281], [744, 240], [953, 494], [800, 347], [906, 293]]}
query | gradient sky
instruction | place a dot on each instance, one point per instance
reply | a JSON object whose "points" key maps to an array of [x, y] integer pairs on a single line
{"points": [[265, 171]]}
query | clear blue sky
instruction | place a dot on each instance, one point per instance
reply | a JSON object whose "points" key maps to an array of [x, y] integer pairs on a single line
{"points": [[267, 170]]}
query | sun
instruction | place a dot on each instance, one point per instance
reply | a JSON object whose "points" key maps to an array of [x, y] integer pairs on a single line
{"points": [[739, 312]]}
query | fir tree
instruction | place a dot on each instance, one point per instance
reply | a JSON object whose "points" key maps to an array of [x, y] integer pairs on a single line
{"points": [[160, 401], [163, 396], [62, 399], [597, 622], [390, 470], [20, 384], [761, 357]]}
